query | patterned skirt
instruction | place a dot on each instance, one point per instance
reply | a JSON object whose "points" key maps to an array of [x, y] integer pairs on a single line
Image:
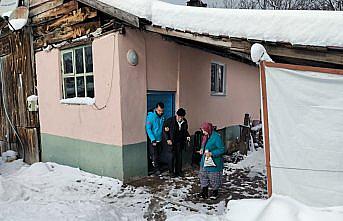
{"points": [[214, 179]]}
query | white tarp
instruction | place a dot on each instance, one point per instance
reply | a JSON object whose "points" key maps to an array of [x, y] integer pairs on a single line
{"points": [[7, 6], [305, 111]]}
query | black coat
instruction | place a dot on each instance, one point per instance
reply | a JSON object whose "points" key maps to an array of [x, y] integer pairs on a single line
{"points": [[175, 134]]}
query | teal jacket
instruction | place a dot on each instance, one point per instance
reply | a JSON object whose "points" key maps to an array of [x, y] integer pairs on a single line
{"points": [[154, 126], [214, 145]]}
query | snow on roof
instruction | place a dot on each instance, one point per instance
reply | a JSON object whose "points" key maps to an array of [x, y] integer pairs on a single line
{"points": [[140, 8], [314, 28]]}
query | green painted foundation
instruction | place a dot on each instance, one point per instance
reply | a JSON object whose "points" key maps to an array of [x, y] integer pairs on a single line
{"points": [[121, 162]]}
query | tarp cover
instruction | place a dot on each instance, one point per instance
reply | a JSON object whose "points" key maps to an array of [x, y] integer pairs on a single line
{"points": [[305, 111]]}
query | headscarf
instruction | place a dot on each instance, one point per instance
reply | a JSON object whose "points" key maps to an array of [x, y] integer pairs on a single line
{"points": [[208, 127]]}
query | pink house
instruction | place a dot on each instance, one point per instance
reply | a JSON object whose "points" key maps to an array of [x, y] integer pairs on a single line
{"points": [[113, 136], [117, 76], [108, 137]]}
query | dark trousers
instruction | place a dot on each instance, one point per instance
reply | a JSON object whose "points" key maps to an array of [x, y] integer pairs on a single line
{"points": [[155, 153], [175, 163]]}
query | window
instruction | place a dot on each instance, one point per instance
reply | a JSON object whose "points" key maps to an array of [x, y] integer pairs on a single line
{"points": [[218, 79], [77, 72]]}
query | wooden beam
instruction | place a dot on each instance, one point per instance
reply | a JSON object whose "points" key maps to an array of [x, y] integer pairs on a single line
{"points": [[45, 7], [327, 56], [189, 36], [266, 129], [112, 11], [55, 13], [316, 54], [304, 68]]}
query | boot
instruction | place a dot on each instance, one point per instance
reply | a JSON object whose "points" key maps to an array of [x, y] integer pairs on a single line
{"points": [[214, 195], [204, 193]]}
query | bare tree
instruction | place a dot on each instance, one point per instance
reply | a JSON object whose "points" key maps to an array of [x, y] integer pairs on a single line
{"points": [[230, 3], [333, 5]]}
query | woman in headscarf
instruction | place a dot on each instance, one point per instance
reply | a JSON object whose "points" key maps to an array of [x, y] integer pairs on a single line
{"points": [[211, 165]]}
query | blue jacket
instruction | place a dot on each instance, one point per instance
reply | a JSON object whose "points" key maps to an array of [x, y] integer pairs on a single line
{"points": [[154, 126], [214, 145]]}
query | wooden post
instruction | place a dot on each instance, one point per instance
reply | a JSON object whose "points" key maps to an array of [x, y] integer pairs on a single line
{"points": [[266, 127]]}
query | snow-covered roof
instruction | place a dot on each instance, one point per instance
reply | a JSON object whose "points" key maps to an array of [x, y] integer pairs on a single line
{"points": [[313, 28]]}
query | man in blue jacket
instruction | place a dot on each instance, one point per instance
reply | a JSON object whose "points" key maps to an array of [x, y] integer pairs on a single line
{"points": [[154, 128]]}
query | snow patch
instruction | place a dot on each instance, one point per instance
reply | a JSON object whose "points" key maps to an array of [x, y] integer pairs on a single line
{"points": [[140, 8], [279, 208], [49, 191], [9, 156], [255, 162], [257, 127], [32, 98], [78, 100], [259, 53]]}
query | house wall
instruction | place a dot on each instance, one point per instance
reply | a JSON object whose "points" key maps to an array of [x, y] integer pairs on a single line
{"points": [[82, 122], [133, 86], [80, 135], [242, 90], [172, 67], [162, 63], [187, 71], [167, 66], [112, 141]]}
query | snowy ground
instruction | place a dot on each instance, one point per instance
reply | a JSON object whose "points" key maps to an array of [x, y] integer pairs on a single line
{"points": [[48, 191]]}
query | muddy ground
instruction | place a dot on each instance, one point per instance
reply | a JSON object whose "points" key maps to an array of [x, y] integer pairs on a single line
{"points": [[169, 196]]}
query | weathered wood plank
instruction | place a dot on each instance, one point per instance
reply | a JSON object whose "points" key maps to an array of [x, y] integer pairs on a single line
{"points": [[30, 139], [34, 3], [45, 7], [115, 12], [188, 36], [66, 33], [55, 13], [68, 20], [18, 83], [5, 48], [333, 57]]}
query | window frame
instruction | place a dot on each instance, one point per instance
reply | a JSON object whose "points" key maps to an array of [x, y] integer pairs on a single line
{"points": [[74, 74], [215, 93]]}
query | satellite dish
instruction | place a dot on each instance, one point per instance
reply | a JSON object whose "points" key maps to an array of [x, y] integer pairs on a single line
{"points": [[7, 7], [18, 18]]}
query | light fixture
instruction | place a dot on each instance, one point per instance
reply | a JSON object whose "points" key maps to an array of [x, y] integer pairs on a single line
{"points": [[132, 57]]}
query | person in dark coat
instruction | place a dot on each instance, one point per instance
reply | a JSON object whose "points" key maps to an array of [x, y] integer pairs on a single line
{"points": [[176, 134]]}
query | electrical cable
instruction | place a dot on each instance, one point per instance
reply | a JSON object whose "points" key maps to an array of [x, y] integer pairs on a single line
{"points": [[110, 92]]}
